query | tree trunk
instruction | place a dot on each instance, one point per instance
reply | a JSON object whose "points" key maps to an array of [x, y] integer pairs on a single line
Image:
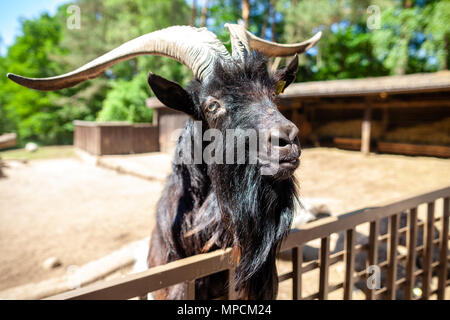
{"points": [[444, 62], [246, 12], [194, 13], [407, 4], [274, 23], [204, 14], [266, 20]]}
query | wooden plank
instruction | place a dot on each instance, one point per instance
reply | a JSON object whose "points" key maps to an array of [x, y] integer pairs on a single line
{"points": [[349, 263], [195, 267], [443, 264], [394, 221], [413, 149], [428, 252], [8, 140], [312, 296], [336, 287], [310, 266], [411, 262], [231, 292], [297, 261], [145, 138], [154, 279], [347, 143], [324, 267], [365, 130], [372, 258], [335, 224], [285, 276], [190, 292]]}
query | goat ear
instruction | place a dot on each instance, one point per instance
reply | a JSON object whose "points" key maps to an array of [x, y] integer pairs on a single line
{"points": [[171, 94], [289, 73]]}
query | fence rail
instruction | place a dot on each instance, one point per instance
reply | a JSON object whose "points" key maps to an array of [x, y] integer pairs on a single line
{"points": [[195, 267]]}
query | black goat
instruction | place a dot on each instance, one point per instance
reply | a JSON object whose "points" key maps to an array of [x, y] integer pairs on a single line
{"points": [[209, 205]]}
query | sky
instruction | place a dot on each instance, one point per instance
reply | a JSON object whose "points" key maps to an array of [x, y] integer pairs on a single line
{"points": [[12, 10]]}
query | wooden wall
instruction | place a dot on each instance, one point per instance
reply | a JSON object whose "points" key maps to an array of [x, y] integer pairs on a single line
{"points": [[170, 123], [115, 138]]}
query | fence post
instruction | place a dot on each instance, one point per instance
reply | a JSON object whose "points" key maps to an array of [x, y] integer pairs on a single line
{"points": [[373, 253], [392, 268], [297, 260], [324, 268], [349, 263], [428, 251], [231, 293], [190, 293], [411, 262], [365, 130], [444, 249]]}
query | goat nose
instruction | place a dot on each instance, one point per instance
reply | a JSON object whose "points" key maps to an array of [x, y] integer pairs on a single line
{"points": [[286, 134]]}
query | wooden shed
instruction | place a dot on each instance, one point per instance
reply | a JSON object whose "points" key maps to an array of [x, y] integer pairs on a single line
{"points": [[169, 123], [106, 138], [407, 114]]}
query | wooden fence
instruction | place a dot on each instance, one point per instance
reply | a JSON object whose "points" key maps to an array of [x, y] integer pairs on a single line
{"points": [[115, 137], [8, 140], [431, 268]]}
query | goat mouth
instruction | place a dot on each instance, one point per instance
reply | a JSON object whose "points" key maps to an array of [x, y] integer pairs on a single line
{"points": [[290, 164]]}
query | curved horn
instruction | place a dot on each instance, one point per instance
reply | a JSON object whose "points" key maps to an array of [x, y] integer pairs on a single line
{"points": [[197, 48], [242, 40], [240, 44]]}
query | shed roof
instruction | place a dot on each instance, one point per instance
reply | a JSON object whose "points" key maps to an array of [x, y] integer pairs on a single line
{"points": [[411, 83]]}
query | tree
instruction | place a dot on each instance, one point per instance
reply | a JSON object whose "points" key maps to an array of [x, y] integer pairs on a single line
{"points": [[414, 36], [31, 112], [194, 13], [119, 104], [106, 25], [47, 48], [246, 12], [437, 32], [126, 101], [204, 14], [347, 53]]}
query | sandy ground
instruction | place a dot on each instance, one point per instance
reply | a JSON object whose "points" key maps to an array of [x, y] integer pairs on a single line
{"points": [[70, 210], [348, 180], [78, 212]]}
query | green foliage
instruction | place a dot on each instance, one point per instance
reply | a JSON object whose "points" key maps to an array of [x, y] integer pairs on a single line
{"points": [[397, 43], [29, 112], [125, 101], [437, 31], [47, 48], [413, 37], [347, 53]]}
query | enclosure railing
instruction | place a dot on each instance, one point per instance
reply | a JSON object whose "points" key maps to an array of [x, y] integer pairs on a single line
{"points": [[189, 269]]}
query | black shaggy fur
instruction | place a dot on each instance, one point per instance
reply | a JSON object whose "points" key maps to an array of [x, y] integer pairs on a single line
{"points": [[206, 207]]}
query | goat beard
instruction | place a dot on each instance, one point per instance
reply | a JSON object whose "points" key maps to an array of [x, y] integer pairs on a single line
{"points": [[258, 211]]}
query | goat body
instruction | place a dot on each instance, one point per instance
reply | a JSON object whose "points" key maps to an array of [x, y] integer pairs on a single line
{"points": [[206, 207]]}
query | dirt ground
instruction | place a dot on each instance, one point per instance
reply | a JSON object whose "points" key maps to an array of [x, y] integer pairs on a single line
{"points": [[67, 209], [78, 212]]}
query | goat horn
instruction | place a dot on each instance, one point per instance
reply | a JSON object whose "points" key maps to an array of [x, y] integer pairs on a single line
{"points": [[242, 40], [197, 48]]}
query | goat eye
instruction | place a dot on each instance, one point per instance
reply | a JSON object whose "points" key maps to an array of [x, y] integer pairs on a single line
{"points": [[213, 106]]}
